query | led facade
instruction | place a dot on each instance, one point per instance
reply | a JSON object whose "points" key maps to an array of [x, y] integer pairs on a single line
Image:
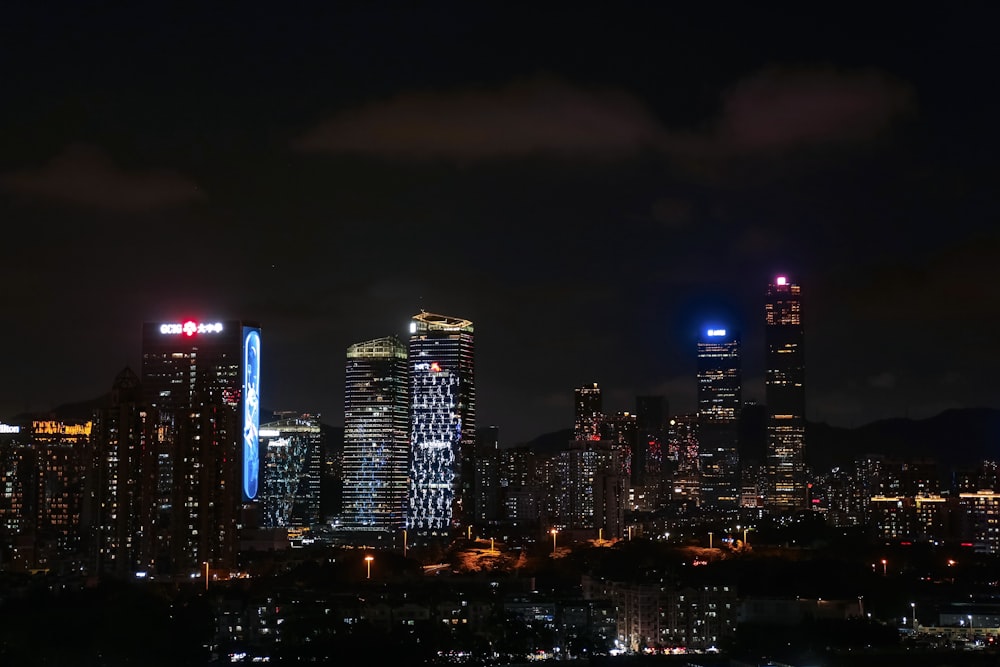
{"points": [[376, 435], [720, 381], [442, 422], [785, 396], [290, 472]]}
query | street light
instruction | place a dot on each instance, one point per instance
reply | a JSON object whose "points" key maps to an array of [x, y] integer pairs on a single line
{"points": [[553, 531], [369, 559], [884, 562], [709, 539], [404, 543], [913, 613], [206, 575]]}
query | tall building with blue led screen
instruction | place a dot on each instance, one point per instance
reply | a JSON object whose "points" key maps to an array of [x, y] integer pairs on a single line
{"points": [[202, 382], [442, 423]]}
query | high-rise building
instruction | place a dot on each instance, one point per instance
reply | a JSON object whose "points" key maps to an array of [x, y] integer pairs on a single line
{"points": [[720, 380], [785, 397], [487, 481], [376, 436], [443, 423], [291, 448], [17, 469], [63, 456], [587, 413], [202, 382], [682, 455], [120, 435], [586, 493], [648, 453]]}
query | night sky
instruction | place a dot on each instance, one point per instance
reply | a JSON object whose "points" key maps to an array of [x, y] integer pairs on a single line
{"points": [[591, 184]]}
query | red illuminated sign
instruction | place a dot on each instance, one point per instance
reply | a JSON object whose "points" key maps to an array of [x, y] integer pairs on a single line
{"points": [[190, 328]]}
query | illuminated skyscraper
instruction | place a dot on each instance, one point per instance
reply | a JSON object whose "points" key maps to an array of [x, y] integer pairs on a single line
{"points": [[443, 423], [202, 382], [720, 380], [291, 456], [785, 397], [376, 435]]}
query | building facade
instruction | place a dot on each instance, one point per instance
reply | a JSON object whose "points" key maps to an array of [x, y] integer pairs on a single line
{"points": [[785, 396], [376, 435], [442, 423]]}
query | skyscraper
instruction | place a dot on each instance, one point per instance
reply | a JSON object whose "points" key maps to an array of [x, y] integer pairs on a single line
{"points": [[376, 435], [443, 423], [720, 379], [291, 457], [202, 382], [785, 397]]}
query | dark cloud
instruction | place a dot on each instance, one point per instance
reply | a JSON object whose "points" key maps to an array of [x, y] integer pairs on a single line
{"points": [[84, 175], [884, 380], [673, 212], [771, 111], [539, 117], [780, 108]]}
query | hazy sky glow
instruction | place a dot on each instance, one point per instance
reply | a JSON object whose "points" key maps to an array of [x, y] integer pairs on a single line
{"points": [[590, 187]]}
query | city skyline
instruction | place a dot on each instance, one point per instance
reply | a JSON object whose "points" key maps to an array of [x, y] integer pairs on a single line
{"points": [[592, 199]]}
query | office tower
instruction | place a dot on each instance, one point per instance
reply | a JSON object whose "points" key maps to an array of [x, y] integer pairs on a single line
{"points": [[587, 414], [120, 435], [376, 435], [202, 382], [719, 402], [443, 423], [785, 397], [292, 455]]}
